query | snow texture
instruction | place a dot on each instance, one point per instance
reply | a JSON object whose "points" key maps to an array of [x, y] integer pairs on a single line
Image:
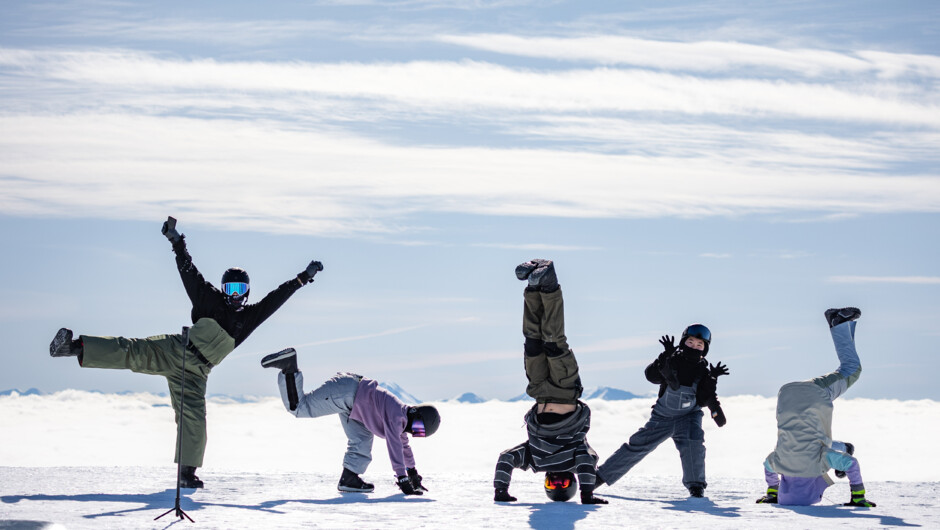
{"points": [[89, 460]]}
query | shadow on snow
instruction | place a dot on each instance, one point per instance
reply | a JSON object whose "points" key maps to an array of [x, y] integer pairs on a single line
{"points": [[862, 515], [554, 515], [166, 499], [690, 505]]}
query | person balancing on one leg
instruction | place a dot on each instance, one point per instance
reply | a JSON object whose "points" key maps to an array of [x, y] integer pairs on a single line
{"points": [[365, 410], [686, 384], [221, 321], [797, 470], [558, 423]]}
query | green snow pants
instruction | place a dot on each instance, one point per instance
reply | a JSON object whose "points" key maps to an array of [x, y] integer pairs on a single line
{"points": [[163, 355], [550, 364]]}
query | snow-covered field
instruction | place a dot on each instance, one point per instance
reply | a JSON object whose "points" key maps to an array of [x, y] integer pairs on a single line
{"points": [[88, 460]]}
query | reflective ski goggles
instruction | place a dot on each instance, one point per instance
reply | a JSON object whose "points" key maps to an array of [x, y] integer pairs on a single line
{"points": [[557, 482], [417, 428], [235, 288], [699, 331]]}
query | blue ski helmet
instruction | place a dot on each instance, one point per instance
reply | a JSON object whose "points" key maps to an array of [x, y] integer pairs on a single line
{"points": [[560, 486], [698, 331]]}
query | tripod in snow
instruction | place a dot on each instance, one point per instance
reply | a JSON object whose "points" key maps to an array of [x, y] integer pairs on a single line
{"points": [[179, 435]]}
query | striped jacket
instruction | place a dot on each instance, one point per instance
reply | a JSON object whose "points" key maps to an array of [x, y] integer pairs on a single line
{"points": [[561, 446]]}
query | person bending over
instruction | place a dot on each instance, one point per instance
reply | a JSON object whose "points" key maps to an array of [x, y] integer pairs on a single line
{"points": [[365, 410]]}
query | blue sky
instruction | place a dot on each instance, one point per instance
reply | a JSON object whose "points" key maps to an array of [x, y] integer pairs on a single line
{"points": [[745, 167]]}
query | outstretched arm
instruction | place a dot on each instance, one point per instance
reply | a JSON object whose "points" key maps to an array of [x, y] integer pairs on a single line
{"points": [[197, 288], [276, 298], [508, 460]]}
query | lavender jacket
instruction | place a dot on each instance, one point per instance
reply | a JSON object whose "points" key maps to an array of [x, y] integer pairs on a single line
{"points": [[386, 417], [797, 491]]}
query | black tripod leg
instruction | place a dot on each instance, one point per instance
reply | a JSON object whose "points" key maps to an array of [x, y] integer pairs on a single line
{"points": [[179, 433]]}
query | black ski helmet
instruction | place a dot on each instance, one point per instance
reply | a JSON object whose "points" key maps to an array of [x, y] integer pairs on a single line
{"points": [[560, 486], [698, 331], [235, 274], [429, 416]]}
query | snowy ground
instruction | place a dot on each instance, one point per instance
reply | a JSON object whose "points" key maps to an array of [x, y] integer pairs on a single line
{"points": [[84, 460]]}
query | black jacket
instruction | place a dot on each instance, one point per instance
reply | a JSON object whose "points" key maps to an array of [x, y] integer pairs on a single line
{"points": [[561, 446], [686, 371], [209, 302]]}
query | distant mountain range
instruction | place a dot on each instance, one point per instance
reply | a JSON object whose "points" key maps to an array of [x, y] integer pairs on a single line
{"points": [[605, 392], [30, 392]]}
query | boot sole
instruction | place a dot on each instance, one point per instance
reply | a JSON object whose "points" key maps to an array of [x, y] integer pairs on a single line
{"points": [[348, 489], [279, 356]]}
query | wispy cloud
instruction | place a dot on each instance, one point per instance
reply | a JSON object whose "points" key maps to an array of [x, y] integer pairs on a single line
{"points": [[539, 247], [231, 33], [337, 340], [86, 132], [406, 363], [466, 86], [915, 280], [136, 167], [704, 56]]}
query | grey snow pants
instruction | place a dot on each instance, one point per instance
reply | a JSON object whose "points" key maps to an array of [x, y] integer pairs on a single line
{"points": [[335, 396], [686, 432]]}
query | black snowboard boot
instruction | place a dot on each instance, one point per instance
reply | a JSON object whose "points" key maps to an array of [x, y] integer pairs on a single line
{"points": [[285, 360], [63, 345], [502, 495], [837, 316], [188, 478], [351, 482], [850, 449], [696, 491]]}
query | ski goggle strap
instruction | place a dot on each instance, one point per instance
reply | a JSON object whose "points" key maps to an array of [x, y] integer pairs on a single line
{"points": [[235, 288], [417, 428], [699, 331], [557, 482]]}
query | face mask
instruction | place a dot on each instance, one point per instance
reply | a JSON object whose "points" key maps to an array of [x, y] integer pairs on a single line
{"points": [[236, 302], [691, 353]]}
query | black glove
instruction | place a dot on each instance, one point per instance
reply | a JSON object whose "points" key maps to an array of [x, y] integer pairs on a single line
{"points": [[169, 230], [770, 498], [718, 370], [502, 495], [717, 414], [665, 365], [404, 484], [415, 479], [668, 346], [306, 276], [587, 497]]}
